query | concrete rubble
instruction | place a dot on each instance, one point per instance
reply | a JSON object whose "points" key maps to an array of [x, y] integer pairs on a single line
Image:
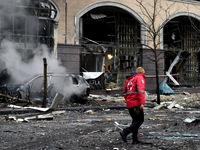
{"points": [[178, 102], [172, 101], [47, 115], [96, 125]]}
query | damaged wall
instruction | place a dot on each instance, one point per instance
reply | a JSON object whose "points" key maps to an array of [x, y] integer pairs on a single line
{"points": [[68, 29], [149, 67], [69, 55]]}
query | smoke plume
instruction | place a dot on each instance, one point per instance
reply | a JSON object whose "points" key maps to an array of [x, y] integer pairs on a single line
{"points": [[22, 70]]}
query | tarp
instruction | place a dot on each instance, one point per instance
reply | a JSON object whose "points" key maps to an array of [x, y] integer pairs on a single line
{"points": [[91, 75], [165, 89]]}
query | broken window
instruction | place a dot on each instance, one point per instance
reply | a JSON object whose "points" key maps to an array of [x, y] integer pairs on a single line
{"points": [[27, 23], [183, 33], [109, 34]]}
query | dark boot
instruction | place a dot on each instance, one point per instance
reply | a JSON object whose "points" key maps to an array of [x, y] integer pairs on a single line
{"points": [[135, 139], [123, 135], [136, 142]]}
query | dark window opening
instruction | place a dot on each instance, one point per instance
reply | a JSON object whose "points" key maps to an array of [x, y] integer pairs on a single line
{"points": [[116, 31], [75, 81], [182, 33], [99, 29], [109, 25]]}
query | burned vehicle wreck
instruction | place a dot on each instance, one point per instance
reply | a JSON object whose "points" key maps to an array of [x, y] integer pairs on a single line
{"points": [[73, 87]]}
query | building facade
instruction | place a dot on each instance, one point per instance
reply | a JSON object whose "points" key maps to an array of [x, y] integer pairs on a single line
{"points": [[110, 36]]}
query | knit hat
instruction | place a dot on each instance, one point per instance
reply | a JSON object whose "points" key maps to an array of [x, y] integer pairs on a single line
{"points": [[140, 70]]}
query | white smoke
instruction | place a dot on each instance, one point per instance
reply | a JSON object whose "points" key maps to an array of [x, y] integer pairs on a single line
{"points": [[17, 62], [21, 70]]}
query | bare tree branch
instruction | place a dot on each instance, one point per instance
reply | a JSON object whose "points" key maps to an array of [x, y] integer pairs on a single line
{"points": [[151, 59], [142, 7], [151, 13]]}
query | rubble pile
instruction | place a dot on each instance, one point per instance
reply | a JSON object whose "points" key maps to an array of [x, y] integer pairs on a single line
{"points": [[178, 101], [104, 100], [182, 101], [112, 86]]}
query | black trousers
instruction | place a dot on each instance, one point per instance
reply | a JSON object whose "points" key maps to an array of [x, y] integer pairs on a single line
{"points": [[137, 116]]}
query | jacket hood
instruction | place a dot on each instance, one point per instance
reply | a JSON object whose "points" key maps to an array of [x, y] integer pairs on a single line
{"points": [[133, 74]]}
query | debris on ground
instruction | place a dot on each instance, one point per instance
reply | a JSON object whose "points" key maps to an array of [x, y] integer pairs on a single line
{"points": [[112, 86], [192, 120], [96, 125], [175, 101], [27, 118]]}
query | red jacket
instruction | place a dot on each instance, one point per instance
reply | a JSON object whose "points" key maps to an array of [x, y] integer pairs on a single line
{"points": [[134, 89]]}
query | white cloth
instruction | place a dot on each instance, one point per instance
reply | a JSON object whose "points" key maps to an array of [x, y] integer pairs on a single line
{"points": [[91, 75]]}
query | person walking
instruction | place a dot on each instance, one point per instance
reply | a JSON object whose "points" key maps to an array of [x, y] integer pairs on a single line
{"points": [[134, 94]]}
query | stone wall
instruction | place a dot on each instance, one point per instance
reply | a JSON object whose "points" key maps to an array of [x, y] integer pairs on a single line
{"points": [[149, 67], [69, 55]]}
